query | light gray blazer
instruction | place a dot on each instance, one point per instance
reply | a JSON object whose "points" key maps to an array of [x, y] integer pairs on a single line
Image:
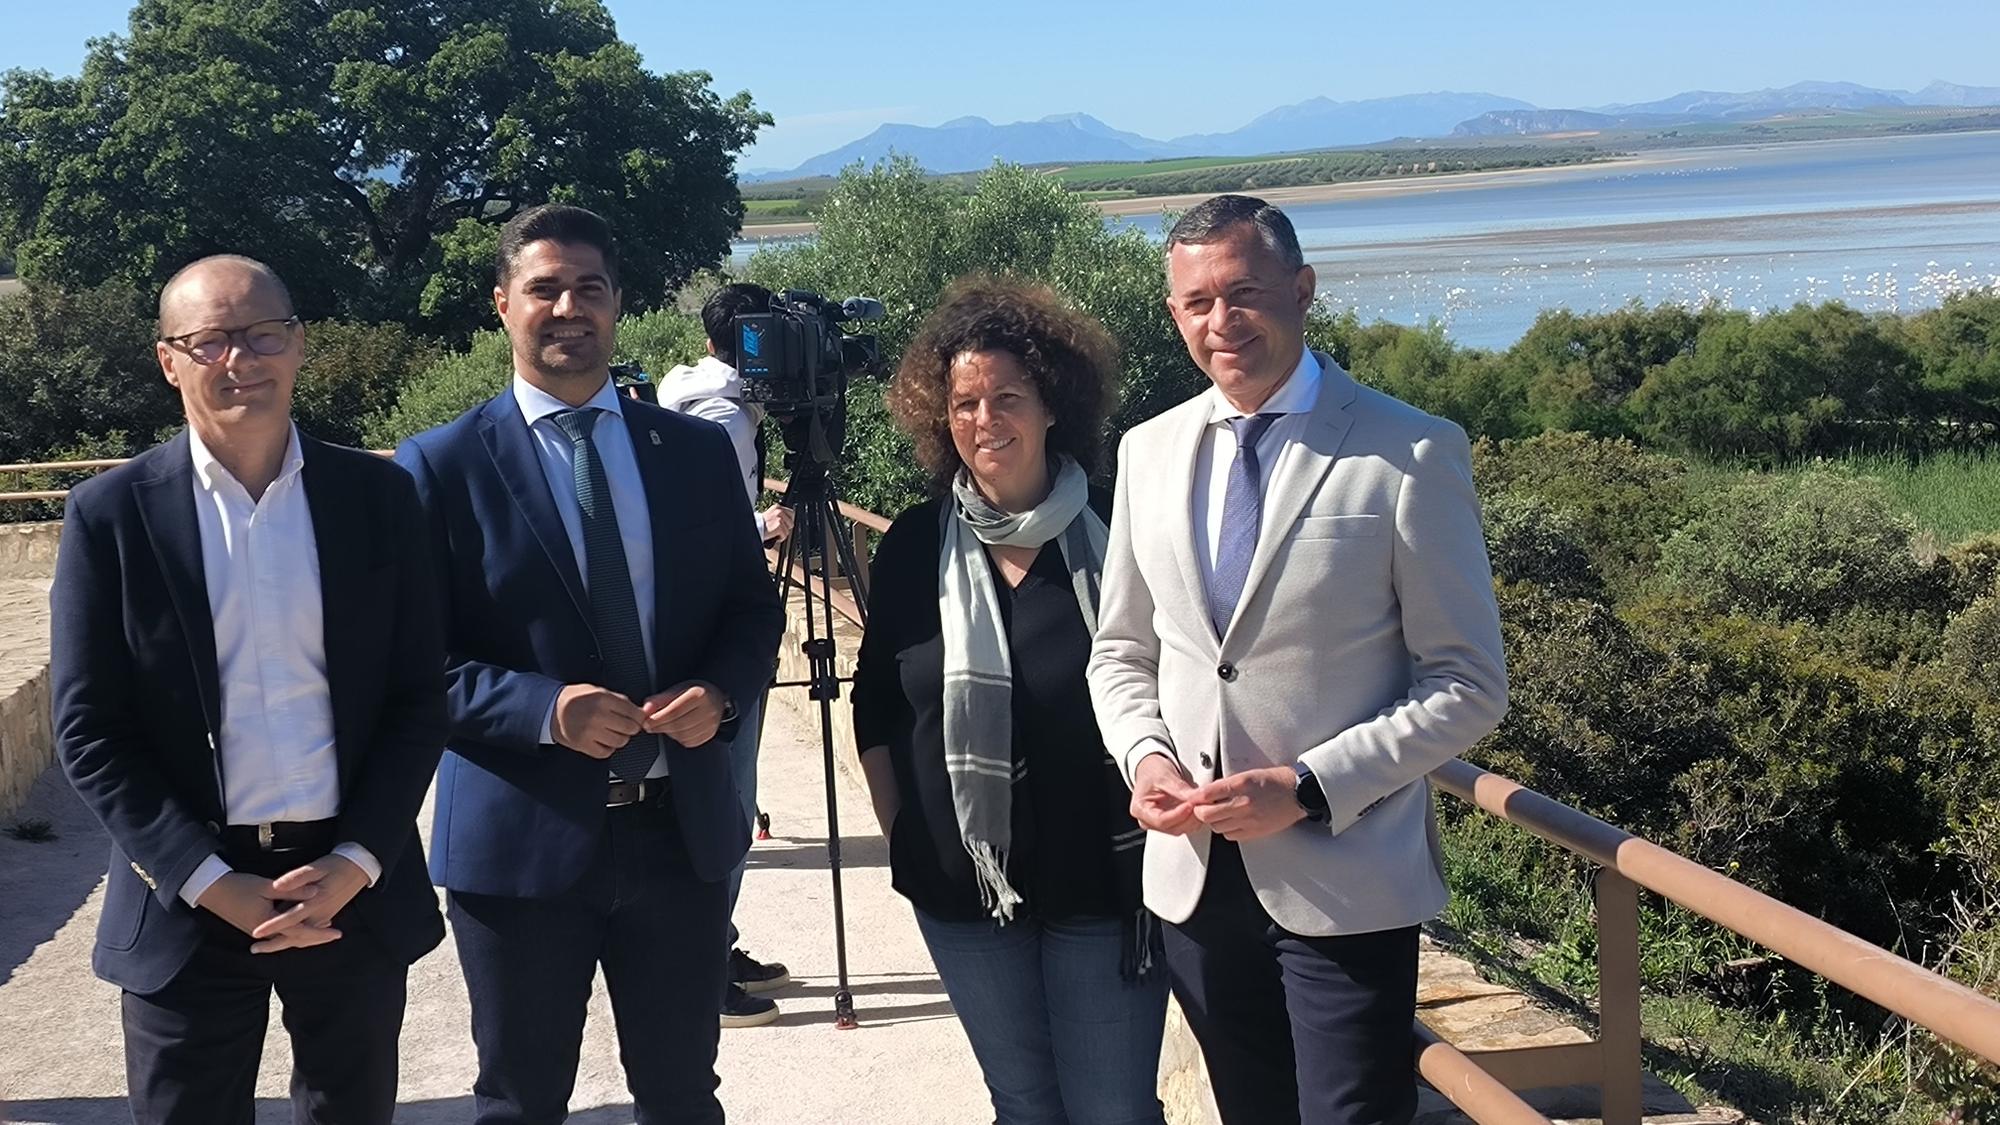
{"points": [[1366, 645]]}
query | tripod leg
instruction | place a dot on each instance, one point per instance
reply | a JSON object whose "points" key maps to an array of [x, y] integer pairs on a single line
{"points": [[824, 685], [843, 548]]}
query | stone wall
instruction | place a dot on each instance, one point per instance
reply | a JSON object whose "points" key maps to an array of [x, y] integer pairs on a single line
{"points": [[27, 558], [26, 745], [28, 550]]}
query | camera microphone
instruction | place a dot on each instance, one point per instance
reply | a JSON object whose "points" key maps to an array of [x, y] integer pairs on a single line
{"points": [[862, 308]]}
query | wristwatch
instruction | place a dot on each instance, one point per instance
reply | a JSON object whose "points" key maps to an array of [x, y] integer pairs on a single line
{"points": [[1310, 796]]}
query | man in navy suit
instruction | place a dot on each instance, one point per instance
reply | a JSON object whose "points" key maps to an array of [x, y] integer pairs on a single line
{"points": [[606, 609], [248, 693]]}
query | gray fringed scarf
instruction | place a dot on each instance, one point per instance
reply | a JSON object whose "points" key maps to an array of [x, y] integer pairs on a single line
{"points": [[978, 672]]}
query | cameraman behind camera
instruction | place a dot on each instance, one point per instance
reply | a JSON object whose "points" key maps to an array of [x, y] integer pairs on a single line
{"points": [[712, 389]]}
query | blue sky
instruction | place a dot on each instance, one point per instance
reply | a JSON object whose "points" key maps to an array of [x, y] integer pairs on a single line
{"points": [[832, 72]]}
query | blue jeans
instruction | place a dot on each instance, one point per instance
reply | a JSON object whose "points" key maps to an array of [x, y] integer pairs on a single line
{"points": [[743, 767], [1060, 1037]]}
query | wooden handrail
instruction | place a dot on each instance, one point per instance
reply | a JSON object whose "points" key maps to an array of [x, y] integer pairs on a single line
{"points": [[1946, 1007], [1481, 1096], [62, 466], [861, 517]]}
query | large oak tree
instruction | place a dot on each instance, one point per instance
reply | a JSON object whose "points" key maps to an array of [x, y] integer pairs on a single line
{"points": [[367, 148]]}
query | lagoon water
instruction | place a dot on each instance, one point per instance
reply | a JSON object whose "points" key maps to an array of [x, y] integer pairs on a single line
{"points": [[1883, 224]]}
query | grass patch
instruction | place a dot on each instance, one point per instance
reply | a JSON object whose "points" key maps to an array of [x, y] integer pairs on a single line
{"points": [[1955, 494], [779, 210]]}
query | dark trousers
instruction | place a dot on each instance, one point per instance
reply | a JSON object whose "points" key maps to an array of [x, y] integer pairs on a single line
{"points": [[1312, 1030], [192, 1048], [658, 931]]}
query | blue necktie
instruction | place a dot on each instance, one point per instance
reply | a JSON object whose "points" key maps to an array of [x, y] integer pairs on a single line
{"points": [[1242, 514], [614, 611]]}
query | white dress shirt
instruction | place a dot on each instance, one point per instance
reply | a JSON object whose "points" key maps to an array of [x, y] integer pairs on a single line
{"points": [[1294, 399], [260, 562], [628, 499]]}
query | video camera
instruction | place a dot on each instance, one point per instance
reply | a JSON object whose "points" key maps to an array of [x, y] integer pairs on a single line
{"points": [[795, 359], [631, 380]]}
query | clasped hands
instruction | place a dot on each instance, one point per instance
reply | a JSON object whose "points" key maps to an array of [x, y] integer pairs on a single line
{"points": [[293, 911], [1240, 806], [596, 721]]}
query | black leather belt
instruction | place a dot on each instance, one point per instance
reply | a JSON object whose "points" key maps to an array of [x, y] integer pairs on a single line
{"points": [[316, 836], [635, 792]]}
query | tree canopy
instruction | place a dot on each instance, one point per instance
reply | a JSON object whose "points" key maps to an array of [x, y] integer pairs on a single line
{"points": [[369, 149]]}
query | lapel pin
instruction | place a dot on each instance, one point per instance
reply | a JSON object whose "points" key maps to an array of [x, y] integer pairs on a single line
{"points": [[655, 435]]}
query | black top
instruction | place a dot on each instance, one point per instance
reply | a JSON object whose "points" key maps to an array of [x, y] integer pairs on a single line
{"points": [[1072, 801]]}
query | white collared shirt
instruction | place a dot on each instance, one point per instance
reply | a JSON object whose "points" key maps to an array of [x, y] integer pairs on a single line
{"points": [[260, 563], [628, 498], [1294, 399]]}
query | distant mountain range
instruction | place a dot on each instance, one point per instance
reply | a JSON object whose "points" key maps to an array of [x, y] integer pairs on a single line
{"points": [[970, 143], [1710, 105]]}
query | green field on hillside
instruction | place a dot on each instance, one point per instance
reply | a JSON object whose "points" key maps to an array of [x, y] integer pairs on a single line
{"points": [[1079, 174]]}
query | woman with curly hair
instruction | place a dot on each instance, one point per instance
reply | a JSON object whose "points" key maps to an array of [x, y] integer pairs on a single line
{"points": [[1007, 821]]}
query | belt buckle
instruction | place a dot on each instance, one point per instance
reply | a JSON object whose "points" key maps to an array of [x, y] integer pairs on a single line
{"points": [[635, 789], [267, 840]]}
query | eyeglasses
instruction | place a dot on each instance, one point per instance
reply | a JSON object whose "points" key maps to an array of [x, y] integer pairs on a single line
{"points": [[266, 337]]}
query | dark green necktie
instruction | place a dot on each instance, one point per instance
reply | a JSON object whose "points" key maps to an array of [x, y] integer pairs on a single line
{"points": [[614, 611]]}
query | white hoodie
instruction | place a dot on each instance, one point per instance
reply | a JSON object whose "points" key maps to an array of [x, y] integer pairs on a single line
{"points": [[713, 390]]}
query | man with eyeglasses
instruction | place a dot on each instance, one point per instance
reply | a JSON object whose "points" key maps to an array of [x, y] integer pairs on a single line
{"points": [[249, 693]]}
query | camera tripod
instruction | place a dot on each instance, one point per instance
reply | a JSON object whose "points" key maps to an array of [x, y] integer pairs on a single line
{"points": [[804, 559]]}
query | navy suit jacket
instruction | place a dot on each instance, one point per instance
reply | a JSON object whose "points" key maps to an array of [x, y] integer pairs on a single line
{"points": [[138, 701], [519, 817]]}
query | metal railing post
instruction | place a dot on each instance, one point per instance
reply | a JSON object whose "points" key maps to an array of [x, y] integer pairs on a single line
{"points": [[1618, 1039]]}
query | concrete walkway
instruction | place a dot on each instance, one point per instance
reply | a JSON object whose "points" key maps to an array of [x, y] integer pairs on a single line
{"points": [[62, 1061]]}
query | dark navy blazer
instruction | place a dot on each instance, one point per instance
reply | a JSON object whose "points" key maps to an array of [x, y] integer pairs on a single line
{"points": [[138, 702], [519, 817]]}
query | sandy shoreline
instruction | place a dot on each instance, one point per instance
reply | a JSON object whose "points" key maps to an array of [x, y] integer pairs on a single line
{"points": [[1315, 193], [1652, 231], [1402, 185], [1379, 189]]}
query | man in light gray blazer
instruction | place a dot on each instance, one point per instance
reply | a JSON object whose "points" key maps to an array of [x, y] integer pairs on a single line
{"points": [[1297, 625]]}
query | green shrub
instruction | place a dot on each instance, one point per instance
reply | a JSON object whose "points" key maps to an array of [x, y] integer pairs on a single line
{"points": [[1809, 381], [1972, 645], [353, 372], [447, 389], [660, 340], [75, 367], [1796, 548], [1580, 368], [1529, 539], [1971, 570], [1958, 349], [1838, 778], [1623, 500], [1597, 716]]}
